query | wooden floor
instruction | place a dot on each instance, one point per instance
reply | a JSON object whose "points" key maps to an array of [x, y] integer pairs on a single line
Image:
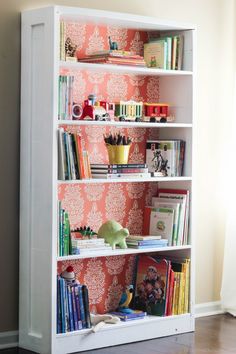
{"points": [[213, 335]]}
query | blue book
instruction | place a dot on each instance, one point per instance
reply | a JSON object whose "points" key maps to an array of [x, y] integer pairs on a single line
{"points": [[62, 304], [148, 242], [71, 320], [75, 317], [81, 304], [77, 302], [58, 306], [148, 246], [86, 306], [66, 143]]}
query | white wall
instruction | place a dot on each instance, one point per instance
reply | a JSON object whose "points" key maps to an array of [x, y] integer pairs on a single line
{"points": [[213, 45]]}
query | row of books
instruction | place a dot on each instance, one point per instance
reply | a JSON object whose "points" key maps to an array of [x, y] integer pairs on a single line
{"points": [[119, 57], [72, 306], [165, 52], [165, 158], [64, 234], [162, 285], [112, 171], [143, 242], [65, 97], [73, 160], [168, 216]]}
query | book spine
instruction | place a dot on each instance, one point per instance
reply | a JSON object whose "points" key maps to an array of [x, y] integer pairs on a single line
{"points": [[59, 324], [81, 304], [77, 302], [86, 306], [75, 316], [71, 321], [62, 304]]}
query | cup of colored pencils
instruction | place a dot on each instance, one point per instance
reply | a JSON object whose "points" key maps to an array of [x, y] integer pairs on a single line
{"points": [[118, 147]]}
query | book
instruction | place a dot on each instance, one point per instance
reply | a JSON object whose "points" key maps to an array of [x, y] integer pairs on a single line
{"points": [[142, 238], [158, 202], [148, 242], [118, 166], [151, 285], [146, 246], [121, 175], [159, 221], [118, 170], [165, 157], [155, 54], [86, 306], [136, 314], [182, 197]]}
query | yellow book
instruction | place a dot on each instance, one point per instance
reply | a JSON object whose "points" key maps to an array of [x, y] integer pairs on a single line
{"points": [[176, 293], [187, 284]]}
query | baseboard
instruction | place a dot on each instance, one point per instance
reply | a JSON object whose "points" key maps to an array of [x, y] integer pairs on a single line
{"points": [[9, 339], [208, 309]]}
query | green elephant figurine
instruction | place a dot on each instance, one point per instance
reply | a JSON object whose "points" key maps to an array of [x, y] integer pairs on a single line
{"points": [[114, 234]]}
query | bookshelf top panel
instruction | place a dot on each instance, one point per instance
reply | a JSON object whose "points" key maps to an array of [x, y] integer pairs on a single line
{"points": [[125, 180], [124, 124], [120, 19]]}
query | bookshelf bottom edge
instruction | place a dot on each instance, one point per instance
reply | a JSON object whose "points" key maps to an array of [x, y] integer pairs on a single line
{"points": [[142, 330]]}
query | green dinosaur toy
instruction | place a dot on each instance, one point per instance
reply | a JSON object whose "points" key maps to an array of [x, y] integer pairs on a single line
{"points": [[113, 233]]}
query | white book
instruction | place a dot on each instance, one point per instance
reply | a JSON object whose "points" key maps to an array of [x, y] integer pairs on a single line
{"points": [[61, 155], [162, 222], [121, 175], [168, 203]]}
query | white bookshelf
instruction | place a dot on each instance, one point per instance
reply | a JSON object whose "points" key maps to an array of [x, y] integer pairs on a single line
{"points": [[39, 184]]}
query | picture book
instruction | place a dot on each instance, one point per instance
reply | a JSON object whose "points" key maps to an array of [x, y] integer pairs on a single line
{"points": [[151, 285], [159, 221], [135, 315], [155, 54]]}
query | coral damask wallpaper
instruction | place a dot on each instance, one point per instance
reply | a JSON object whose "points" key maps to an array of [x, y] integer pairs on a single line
{"points": [[92, 204]]}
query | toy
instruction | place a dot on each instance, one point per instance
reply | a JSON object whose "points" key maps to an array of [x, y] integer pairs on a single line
{"points": [[125, 300], [77, 111], [68, 274], [70, 48], [114, 234], [157, 112], [113, 45], [129, 111], [97, 110], [98, 321]]}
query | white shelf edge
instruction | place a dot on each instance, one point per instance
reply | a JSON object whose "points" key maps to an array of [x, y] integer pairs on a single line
{"points": [[123, 324], [125, 69], [126, 180], [124, 124], [119, 252]]}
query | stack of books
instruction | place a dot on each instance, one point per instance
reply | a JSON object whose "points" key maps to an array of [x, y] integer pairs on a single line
{"points": [[119, 57], [135, 315], [73, 160], [141, 242], [162, 285], [80, 246], [111, 171], [72, 306], [168, 216]]}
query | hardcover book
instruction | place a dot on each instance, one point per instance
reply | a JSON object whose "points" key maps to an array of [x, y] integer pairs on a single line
{"points": [[151, 285]]}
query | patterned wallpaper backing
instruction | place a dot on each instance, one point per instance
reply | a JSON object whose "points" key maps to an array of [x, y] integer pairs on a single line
{"points": [[92, 204]]}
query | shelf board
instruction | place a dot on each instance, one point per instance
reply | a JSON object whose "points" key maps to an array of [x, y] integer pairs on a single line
{"points": [[122, 69], [126, 180], [119, 252], [123, 324], [124, 124]]}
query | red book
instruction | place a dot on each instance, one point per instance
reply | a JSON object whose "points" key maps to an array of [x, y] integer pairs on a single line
{"points": [[79, 153], [170, 292]]}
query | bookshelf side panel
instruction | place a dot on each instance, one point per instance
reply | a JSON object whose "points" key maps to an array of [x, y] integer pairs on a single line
{"points": [[37, 175]]}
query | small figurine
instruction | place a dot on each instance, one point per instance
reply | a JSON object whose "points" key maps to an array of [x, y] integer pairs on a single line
{"points": [[113, 45], [92, 98], [114, 234], [70, 48], [125, 300], [68, 274]]}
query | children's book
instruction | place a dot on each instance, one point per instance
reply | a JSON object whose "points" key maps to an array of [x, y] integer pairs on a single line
{"points": [[136, 314], [159, 221], [151, 285]]}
